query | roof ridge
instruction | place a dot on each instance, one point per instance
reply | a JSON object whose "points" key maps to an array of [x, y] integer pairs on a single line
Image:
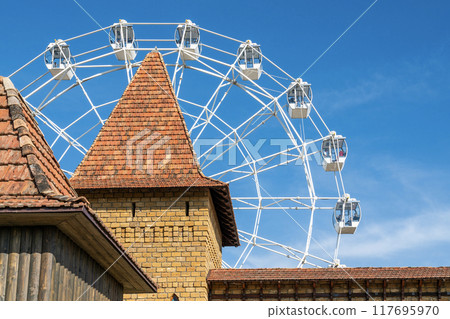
{"points": [[21, 120]]}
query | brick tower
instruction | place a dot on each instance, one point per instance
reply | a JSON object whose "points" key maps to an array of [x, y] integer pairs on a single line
{"points": [[142, 179]]}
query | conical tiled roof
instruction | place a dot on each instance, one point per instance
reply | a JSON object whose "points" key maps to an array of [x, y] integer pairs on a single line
{"points": [[30, 176], [145, 144]]}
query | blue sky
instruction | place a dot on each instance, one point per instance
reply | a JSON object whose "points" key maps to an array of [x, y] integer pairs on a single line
{"points": [[384, 85]]}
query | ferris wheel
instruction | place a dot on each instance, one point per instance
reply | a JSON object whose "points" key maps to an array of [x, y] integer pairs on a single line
{"points": [[252, 125]]}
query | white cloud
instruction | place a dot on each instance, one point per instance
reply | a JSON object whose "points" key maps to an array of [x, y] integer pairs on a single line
{"points": [[407, 81], [391, 237]]}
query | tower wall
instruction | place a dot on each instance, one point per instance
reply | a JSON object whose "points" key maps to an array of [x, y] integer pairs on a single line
{"points": [[176, 245]]}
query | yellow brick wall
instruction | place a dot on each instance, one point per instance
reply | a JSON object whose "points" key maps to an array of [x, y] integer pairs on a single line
{"points": [[178, 250]]}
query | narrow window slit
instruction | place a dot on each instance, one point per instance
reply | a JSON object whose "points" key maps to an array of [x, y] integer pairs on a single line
{"points": [[187, 208], [133, 210]]}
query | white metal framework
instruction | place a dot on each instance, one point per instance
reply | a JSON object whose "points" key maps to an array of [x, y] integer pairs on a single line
{"points": [[243, 130]]}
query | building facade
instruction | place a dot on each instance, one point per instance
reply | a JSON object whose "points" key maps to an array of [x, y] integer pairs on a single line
{"points": [[141, 177], [52, 245]]}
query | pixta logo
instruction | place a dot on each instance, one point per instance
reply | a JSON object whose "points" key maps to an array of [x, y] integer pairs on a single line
{"points": [[142, 150]]}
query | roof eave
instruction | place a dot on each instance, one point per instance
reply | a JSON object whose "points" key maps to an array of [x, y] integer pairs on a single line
{"points": [[114, 258]]}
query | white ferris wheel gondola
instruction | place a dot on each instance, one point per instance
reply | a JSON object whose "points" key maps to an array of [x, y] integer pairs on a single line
{"points": [[59, 61], [187, 38], [334, 152], [347, 215], [250, 61], [121, 37], [299, 98]]}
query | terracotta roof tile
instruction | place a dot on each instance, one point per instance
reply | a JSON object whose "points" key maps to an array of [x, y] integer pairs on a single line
{"points": [[27, 164], [126, 152], [287, 274], [145, 144]]}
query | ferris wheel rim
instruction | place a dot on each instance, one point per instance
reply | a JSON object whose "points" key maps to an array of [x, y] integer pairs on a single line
{"points": [[277, 108]]}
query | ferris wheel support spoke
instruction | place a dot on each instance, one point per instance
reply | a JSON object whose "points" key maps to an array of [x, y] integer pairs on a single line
{"points": [[91, 51], [269, 158], [65, 136], [179, 83], [337, 184], [246, 164], [77, 139], [274, 203], [216, 92], [336, 250], [89, 100], [221, 35], [205, 111], [225, 264], [191, 103], [48, 94], [64, 153], [320, 117], [289, 255], [267, 94], [211, 113], [127, 67], [271, 62], [33, 82], [241, 232], [170, 52], [247, 254], [55, 128], [217, 75], [195, 117], [177, 68], [233, 130], [82, 88], [243, 252], [248, 88], [218, 50], [245, 125], [265, 106], [273, 79], [317, 129], [27, 64], [86, 34], [312, 194], [76, 84]]}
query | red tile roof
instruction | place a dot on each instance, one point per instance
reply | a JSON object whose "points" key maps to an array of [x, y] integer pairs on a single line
{"points": [[126, 153], [145, 144], [287, 274], [28, 169]]}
